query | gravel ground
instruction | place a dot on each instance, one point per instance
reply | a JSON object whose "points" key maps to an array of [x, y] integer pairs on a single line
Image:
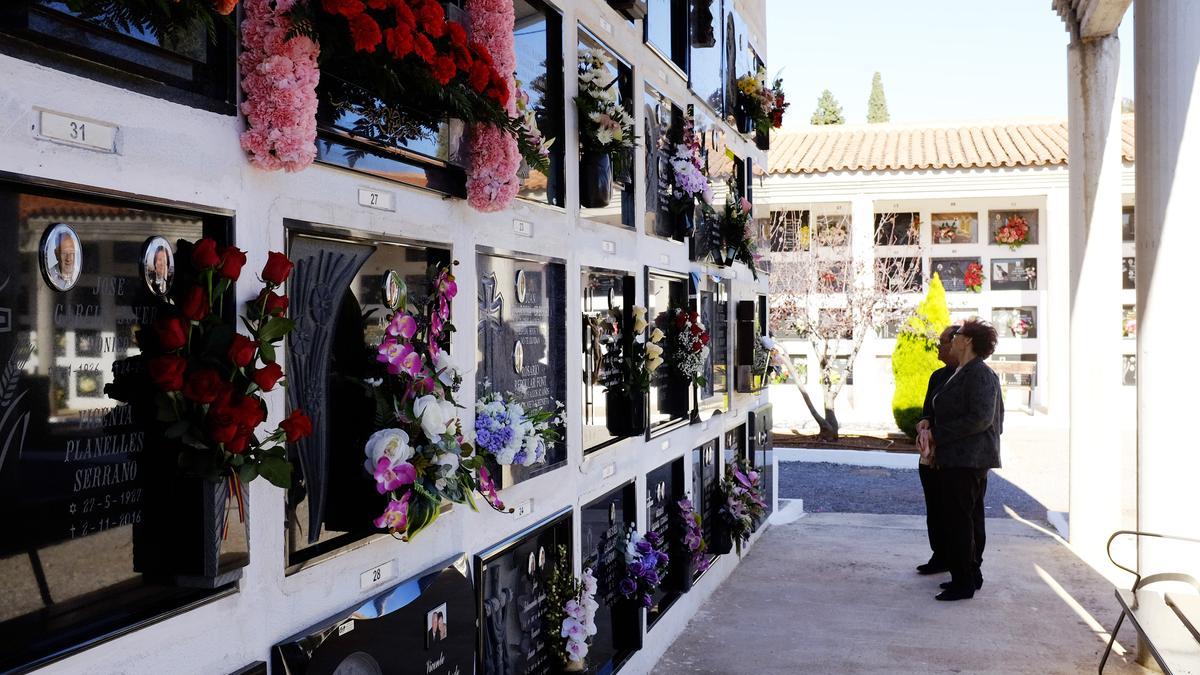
{"points": [[838, 488]]}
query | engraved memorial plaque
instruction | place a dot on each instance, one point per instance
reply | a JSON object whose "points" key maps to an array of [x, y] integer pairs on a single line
{"points": [[512, 576], [706, 475], [664, 489], [603, 526], [522, 341]]}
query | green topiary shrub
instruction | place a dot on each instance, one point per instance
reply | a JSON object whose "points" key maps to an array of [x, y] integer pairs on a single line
{"points": [[915, 357]]}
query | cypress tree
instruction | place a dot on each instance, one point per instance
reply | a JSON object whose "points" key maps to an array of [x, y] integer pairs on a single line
{"points": [[915, 356], [877, 110], [828, 111]]}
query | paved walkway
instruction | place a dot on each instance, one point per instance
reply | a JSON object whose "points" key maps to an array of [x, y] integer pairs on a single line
{"points": [[836, 593]]}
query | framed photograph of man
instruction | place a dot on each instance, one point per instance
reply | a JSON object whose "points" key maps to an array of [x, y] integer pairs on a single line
{"points": [[1014, 274], [435, 626], [158, 265], [952, 271], [954, 228], [61, 256]]}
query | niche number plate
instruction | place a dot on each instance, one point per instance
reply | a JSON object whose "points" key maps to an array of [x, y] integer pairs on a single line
{"points": [[77, 131]]}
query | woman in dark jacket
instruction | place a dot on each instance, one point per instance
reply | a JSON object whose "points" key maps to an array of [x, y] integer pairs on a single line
{"points": [[968, 418]]}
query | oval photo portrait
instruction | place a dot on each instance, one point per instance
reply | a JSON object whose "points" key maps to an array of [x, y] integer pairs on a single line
{"points": [[158, 265], [61, 256]]}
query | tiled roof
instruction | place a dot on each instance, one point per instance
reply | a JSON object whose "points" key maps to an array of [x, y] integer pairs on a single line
{"points": [[903, 147]]}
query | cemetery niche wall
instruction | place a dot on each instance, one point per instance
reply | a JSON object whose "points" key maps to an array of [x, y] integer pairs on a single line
{"points": [[511, 579], [604, 525], [423, 626], [522, 341], [81, 472]]}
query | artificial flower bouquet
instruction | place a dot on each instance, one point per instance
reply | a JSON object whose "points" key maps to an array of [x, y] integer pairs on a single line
{"points": [[743, 505], [693, 536], [421, 458], [571, 611], [645, 565], [686, 350], [1014, 232], [634, 356], [512, 435], [532, 132], [737, 231], [605, 126], [210, 378], [763, 105], [687, 183], [973, 277]]}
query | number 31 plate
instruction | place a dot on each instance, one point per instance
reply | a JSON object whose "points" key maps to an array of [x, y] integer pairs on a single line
{"points": [[77, 131]]}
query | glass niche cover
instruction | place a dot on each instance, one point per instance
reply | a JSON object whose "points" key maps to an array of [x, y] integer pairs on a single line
{"points": [[670, 392], [607, 295], [86, 481], [342, 292], [521, 345], [711, 302], [604, 528], [512, 581]]}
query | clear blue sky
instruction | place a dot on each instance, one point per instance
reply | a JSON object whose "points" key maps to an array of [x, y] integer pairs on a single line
{"points": [[940, 59]]}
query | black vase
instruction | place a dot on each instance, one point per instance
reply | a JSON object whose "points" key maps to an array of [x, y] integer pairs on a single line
{"points": [[625, 412], [684, 577], [722, 535], [675, 398], [684, 222], [741, 115], [595, 180], [631, 9], [762, 139]]}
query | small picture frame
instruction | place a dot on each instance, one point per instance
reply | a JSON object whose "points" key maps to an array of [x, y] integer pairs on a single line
{"points": [[436, 626], [395, 290], [158, 266], [61, 256]]}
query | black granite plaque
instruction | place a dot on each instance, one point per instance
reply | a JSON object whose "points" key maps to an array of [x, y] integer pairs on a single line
{"points": [[735, 445], [664, 489], [603, 524], [760, 453], [602, 291], [513, 636], [706, 477], [670, 394], [74, 461], [522, 341], [424, 626]]}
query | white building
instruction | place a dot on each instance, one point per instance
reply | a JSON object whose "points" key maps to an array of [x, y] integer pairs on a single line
{"points": [[835, 191]]}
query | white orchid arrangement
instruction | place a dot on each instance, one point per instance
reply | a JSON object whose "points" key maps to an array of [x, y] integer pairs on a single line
{"points": [[605, 126], [571, 607]]}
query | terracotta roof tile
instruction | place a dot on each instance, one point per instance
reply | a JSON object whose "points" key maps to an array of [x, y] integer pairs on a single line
{"points": [[898, 147]]}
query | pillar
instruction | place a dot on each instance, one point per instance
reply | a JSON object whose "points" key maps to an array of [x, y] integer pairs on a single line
{"points": [[1167, 80], [1094, 125]]}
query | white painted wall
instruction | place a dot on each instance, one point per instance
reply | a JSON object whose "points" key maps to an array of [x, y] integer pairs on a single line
{"points": [[170, 152]]}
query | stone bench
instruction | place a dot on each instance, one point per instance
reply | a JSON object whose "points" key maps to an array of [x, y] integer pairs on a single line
{"points": [[1167, 624]]}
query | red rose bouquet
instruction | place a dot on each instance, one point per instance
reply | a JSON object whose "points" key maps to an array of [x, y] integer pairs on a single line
{"points": [[973, 277], [1014, 232], [210, 378], [686, 345]]}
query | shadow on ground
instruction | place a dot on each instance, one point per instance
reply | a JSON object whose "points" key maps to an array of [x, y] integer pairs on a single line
{"points": [[840, 488], [837, 593]]}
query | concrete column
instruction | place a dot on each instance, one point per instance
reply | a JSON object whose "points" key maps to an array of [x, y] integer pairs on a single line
{"points": [[1095, 251], [1167, 80]]}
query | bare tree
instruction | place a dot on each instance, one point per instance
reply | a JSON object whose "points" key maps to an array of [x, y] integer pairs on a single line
{"points": [[821, 291]]}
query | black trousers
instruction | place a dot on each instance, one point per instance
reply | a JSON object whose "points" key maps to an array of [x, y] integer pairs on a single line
{"points": [[962, 493], [931, 486]]}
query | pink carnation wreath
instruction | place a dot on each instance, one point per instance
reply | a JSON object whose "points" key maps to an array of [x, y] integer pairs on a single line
{"points": [[279, 78], [492, 180]]}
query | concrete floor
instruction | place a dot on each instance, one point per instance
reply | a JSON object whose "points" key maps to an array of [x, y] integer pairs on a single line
{"points": [[837, 593]]}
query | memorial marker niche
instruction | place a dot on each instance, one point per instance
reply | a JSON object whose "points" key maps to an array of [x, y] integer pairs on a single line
{"points": [[602, 531], [712, 303], [522, 341], [706, 499], [670, 394], [664, 489], [604, 291], [760, 454], [512, 584], [423, 626], [76, 462]]}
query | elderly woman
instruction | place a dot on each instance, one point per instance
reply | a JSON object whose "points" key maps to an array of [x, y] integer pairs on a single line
{"points": [[968, 418]]}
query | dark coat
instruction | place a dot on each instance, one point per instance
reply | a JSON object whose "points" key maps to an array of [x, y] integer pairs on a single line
{"points": [[968, 418], [936, 379]]}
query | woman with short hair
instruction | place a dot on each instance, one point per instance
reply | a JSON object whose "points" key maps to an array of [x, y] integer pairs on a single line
{"points": [[968, 418]]}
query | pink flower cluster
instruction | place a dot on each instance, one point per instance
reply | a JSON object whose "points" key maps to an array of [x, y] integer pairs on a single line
{"points": [[492, 180], [279, 78]]}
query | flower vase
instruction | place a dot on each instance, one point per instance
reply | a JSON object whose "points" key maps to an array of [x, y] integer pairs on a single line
{"points": [[762, 139], [674, 399], [741, 115], [684, 576], [722, 535], [625, 412], [595, 180], [684, 222], [579, 666]]}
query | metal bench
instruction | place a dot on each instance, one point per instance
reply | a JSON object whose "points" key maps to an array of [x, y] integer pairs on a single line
{"points": [[1168, 625]]}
